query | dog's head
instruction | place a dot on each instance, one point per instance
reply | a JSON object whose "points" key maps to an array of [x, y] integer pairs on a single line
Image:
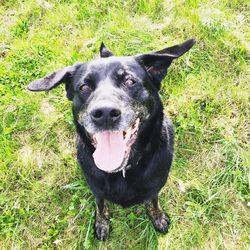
{"points": [[112, 96]]}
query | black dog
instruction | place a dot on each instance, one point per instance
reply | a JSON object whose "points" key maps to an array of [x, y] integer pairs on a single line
{"points": [[124, 142]]}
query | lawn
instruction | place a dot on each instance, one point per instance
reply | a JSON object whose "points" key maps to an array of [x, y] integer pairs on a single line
{"points": [[44, 200]]}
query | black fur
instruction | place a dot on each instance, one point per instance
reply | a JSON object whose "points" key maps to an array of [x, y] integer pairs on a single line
{"points": [[150, 165], [152, 153]]}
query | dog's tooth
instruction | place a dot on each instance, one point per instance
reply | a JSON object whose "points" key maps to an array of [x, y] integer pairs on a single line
{"points": [[128, 134], [136, 124]]}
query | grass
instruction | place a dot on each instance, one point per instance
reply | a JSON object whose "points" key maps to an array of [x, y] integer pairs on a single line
{"points": [[44, 200]]}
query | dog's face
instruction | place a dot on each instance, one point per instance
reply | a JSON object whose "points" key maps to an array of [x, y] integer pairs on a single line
{"points": [[110, 94], [112, 97]]}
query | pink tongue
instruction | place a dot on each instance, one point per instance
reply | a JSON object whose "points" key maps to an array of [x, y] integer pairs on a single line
{"points": [[110, 150]]}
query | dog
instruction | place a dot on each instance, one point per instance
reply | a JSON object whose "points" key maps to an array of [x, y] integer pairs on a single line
{"points": [[124, 141]]}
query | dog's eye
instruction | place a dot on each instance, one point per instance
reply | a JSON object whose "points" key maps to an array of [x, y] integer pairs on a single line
{"points": [[129, 82], [84, 87]]}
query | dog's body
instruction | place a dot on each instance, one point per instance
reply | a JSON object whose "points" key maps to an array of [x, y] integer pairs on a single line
{"points": [[148, 172], [124, 142]]}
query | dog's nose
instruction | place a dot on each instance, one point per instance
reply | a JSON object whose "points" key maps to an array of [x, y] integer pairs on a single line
{"points": [[105, 116]]}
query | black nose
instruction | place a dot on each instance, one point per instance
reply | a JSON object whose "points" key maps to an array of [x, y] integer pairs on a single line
{"points": [[105, 116]]}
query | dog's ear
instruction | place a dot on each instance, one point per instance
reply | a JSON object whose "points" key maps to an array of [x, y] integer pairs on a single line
{"points": [[157, 63], [104, 52], [54, 79]]}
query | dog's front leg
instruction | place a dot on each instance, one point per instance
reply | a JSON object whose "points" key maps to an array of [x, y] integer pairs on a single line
{"points": [[159, 218], [101, 220]]}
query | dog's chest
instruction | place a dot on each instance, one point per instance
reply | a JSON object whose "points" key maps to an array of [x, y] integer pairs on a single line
{"points": [[129, 190]]}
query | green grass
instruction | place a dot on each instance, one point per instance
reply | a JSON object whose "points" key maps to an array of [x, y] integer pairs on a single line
{"points": [[44, 200]]}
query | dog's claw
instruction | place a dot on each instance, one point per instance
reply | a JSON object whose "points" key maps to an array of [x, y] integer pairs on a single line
{"points": [[161, 222], [102, 229]]}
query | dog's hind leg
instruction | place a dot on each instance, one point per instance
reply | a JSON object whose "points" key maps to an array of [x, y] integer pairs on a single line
{"points": [[159, 218], [101, 220]]}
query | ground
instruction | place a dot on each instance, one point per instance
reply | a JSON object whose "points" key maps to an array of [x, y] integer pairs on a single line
{"points": [[44, 200]]}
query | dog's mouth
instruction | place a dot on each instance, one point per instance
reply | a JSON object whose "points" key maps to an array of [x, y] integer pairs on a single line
{"points": [[112, 148]]}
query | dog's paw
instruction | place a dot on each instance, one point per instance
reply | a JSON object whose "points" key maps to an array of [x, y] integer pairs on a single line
{"points": [[102, 229], [161, 222]]}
